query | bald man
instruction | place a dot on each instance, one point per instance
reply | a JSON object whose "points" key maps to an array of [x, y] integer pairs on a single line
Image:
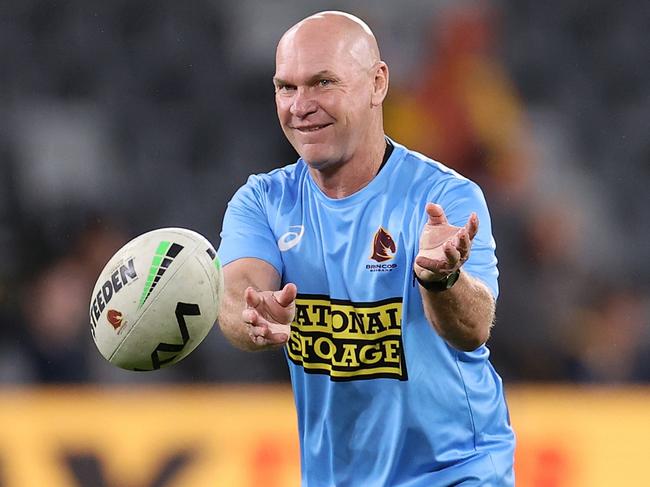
{"points": [[356, 259]]}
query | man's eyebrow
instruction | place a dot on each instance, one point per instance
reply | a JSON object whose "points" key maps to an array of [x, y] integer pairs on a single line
{"points": [[325, 73], [280, 81]]}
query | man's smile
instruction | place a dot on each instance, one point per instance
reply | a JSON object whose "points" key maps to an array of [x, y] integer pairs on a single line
{"points": [[310, 128]]}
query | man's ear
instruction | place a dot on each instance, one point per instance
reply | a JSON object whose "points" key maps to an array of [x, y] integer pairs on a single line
{"points": [[380, 83]]}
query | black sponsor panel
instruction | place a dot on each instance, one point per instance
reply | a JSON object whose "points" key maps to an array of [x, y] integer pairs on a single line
{"points": [[346, 359], [348, 340], [347, 302]]}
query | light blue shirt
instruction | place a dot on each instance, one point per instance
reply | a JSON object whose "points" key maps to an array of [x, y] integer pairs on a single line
{"points": [[381, 399]]}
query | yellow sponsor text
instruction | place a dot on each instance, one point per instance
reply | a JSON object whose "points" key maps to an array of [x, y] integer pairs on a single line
{"points": [[348, 340]]}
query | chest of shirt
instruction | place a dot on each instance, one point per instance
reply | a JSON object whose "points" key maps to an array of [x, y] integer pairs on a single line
{"points": [[362, 251]]}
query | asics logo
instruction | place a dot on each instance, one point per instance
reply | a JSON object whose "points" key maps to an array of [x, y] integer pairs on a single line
{"points": [[292, 238]]}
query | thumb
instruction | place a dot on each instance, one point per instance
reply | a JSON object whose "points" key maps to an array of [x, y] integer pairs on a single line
{"points": [[286, 295], [436, 214]]}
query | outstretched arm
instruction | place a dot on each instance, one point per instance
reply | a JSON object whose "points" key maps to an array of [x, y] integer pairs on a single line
{"points": [[250, 318], [463, 314]]}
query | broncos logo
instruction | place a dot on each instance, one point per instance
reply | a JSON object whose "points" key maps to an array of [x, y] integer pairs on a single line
{"points": [[114, 317], [383, 246]]}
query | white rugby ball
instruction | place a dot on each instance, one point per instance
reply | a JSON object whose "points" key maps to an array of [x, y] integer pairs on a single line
{"points": [[156, 299]]}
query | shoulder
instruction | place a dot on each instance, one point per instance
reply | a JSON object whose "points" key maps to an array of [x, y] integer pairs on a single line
{"points": [[433, 177], [277, 178], [260, 189]]}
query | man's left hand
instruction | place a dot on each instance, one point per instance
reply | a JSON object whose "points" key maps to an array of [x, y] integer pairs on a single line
{"points": [[444, 248]]}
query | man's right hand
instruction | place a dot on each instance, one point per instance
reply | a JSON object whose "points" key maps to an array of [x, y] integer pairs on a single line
{"points": [[268, 315]]}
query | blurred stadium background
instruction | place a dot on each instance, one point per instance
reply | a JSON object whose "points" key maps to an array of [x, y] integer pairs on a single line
{"points": [[123, 116]]}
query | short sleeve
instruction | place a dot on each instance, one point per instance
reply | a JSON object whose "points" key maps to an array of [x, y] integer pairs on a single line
{"points": [[246, 231], [459, 198]]}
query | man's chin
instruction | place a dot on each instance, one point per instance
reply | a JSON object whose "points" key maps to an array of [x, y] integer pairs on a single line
{"points": [[319, 156], [316, 163], [316, 159], [323, 166]]}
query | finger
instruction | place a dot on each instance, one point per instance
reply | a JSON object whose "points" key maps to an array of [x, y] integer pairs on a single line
{"points": [[263, 335], [286, 295], [472, 226], [277, 338], [252, 317], [464, 242], [436, 214], [259, 331], [263, 341], [248, 316], [253, 297], [452, 253], [256, 329], [257, 340], [434, 266]]}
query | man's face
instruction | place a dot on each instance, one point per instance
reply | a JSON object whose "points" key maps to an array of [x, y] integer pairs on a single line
{"points": [[323, 101]]}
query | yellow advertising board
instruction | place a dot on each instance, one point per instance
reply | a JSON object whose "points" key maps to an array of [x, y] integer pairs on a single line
{"points": [[580, 436], [179, 437], [246, 437]]}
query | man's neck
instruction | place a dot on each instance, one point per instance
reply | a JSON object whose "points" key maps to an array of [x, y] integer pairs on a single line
{"points": [[351, 176]]}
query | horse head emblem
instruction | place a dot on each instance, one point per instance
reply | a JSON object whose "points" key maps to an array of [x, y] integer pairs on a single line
{"points": [[383, 246]]}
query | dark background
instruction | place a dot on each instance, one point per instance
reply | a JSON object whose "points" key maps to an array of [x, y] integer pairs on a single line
{"points": [[124, 116]]}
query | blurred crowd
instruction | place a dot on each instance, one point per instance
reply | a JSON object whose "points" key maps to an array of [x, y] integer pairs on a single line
{"points": [[120, 117]]}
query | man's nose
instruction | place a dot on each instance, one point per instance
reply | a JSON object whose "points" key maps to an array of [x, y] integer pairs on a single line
{"points": [[303, 104]]}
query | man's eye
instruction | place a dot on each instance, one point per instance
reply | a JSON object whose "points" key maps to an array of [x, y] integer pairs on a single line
{"points": [[285, 87], [324, 82]]}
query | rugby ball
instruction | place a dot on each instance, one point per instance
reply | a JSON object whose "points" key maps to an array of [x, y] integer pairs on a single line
{"points": [[156, 299]]}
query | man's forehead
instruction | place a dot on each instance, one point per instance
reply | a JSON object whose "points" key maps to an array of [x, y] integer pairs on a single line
{"points": [[303, 73], [324, 48], [307, 53], [307, 61]]}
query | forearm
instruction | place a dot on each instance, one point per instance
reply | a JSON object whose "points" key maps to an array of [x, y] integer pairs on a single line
{"points": [[462, 315]]}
